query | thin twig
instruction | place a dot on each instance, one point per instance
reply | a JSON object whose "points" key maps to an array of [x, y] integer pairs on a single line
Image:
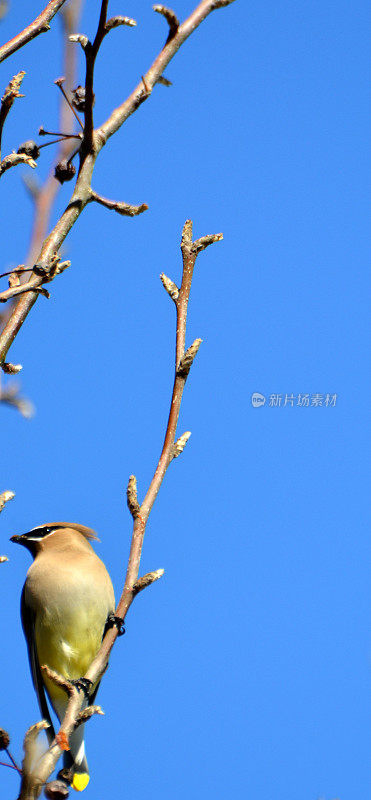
{"points": [[115, 22], [171, 19], [39, 25], [14, 763], [14, 291], [147, 580], [7, 100], [43, 132], [59, 82], [59, 680], [13, 159], [87, 713], [56, 267], [124, 209], [5, 497], [167, 454]]}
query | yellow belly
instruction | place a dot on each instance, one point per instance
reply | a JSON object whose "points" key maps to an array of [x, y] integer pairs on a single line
{"points": [[68, 649]]}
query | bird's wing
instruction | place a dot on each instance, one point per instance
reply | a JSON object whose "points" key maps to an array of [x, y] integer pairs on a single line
{"points": [[28, 623]]}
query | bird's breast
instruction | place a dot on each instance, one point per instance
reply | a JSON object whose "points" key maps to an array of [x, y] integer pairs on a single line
{"points": [[70, 615]]}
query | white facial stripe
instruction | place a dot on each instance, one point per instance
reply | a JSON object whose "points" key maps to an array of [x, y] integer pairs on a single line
{"points": [[34, 538]]}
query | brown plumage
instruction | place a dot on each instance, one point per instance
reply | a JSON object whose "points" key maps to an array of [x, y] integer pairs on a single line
{"points": [[66, 600]]}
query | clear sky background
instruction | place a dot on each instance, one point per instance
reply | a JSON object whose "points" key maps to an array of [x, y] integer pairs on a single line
{"points": [[245, 672]]}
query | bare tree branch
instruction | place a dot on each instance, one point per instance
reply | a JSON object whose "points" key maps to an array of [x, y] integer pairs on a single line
{"points": [[39, 25], [32, 782], [91, 146]]}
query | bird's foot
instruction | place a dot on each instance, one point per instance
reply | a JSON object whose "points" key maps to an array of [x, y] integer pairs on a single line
{"points": [[66, 775], [114, 621], [83, 685]]}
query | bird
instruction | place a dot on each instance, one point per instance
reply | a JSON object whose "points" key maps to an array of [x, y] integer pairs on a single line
{"points": [[67, 604]]}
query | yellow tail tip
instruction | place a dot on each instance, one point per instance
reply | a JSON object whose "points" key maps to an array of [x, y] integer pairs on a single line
{"points": [[80, 781]]}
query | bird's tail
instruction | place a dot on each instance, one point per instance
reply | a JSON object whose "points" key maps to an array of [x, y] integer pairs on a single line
{"points": [[75, 758]]}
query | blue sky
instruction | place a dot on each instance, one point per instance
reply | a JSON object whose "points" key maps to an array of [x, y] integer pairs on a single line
{"points": [[245, 671]]}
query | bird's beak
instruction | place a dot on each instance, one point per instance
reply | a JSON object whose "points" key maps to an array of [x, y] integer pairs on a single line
{"points": [[18, 539]]}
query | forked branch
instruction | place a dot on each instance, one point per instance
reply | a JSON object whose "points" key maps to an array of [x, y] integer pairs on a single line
{"points": [[93, 142], [35, 778]]}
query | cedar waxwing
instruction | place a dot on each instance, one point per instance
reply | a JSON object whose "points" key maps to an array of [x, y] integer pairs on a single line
{"points": [[67, 600]]}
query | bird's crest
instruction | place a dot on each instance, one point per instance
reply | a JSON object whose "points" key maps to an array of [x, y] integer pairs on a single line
{"points": [[43, 530]]}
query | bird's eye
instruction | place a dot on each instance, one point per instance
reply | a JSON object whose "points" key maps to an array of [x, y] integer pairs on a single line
{"points": [[39, 533]]}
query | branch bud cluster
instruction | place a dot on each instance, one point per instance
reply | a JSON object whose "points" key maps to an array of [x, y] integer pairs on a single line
{"points": [[64, 171], [29, 148]]}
